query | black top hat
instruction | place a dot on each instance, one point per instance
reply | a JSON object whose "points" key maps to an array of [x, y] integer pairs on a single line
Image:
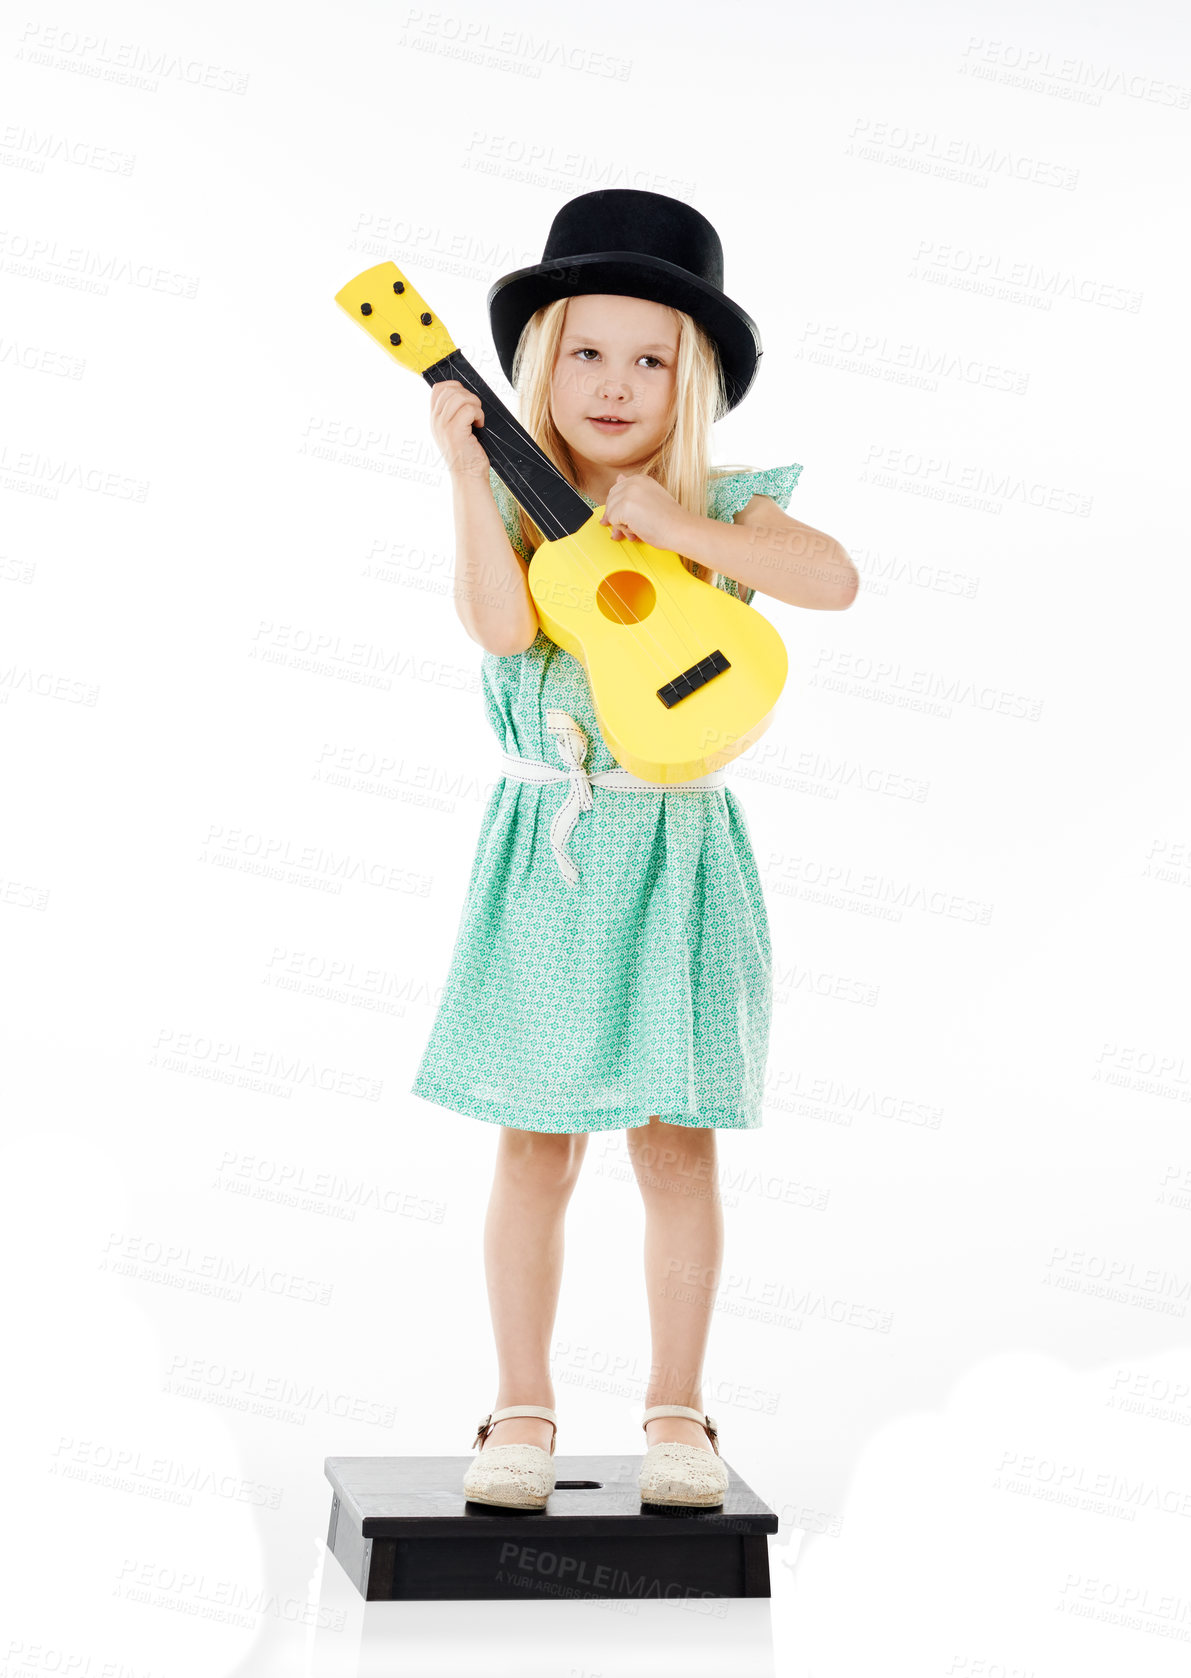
{"points": [[633, 244]]}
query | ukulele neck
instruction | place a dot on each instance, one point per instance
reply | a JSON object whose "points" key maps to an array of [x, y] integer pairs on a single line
{"points": [[530, 477]]}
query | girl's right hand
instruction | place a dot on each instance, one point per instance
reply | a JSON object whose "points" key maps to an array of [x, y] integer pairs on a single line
{"points": [[453, 411]]}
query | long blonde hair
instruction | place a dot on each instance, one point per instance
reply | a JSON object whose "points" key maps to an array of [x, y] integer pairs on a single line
{"points": [[681, 464]]}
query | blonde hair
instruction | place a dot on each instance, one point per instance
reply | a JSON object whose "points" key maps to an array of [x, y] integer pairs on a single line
{"points": [[681, 464]]}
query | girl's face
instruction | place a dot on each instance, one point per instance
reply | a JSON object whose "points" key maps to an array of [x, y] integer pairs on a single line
{"points": [[617, 357]]}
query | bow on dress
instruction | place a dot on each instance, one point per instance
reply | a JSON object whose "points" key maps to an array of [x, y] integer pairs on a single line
{"points": [[571, 741]]}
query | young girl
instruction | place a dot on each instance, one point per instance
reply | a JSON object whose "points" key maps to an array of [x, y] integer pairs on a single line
{"points": [[612, 969]]}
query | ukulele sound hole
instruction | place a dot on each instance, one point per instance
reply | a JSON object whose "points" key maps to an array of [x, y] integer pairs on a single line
{"points": [[626, 597]]}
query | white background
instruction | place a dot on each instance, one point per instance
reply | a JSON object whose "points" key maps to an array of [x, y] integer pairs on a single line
{"points": [[245, 758]]}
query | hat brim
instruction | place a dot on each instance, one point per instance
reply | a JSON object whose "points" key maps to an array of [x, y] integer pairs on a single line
{"points": [[515, 297]]}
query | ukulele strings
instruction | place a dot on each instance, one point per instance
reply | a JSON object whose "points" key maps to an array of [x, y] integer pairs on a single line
{"points": [[663, 587], [545, 525], [554, 530], [535, 506]]}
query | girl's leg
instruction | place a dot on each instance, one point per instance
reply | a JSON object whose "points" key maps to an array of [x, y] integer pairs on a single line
{"points": [[676, 1169], [535, 1176]]}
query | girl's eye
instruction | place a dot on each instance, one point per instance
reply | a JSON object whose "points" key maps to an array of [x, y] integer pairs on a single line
{"points": [[655, 359]]}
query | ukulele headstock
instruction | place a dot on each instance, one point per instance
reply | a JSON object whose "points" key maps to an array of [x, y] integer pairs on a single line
{"points": [[383, 302]]}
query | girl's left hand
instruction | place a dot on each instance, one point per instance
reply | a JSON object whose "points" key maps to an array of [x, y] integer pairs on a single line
{"points": [[639, 508]]}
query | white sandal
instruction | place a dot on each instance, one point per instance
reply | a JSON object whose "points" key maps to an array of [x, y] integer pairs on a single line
{"points": [[512, 1476], [686, 1474]]}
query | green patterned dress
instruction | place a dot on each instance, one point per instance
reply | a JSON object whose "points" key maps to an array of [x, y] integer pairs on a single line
{"points": [[646, 988]]}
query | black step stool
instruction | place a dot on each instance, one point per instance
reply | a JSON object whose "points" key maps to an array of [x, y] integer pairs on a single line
{"points": [[402, 1530]]}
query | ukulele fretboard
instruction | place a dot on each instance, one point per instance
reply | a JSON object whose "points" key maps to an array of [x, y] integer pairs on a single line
{"points": [[530, 476]]}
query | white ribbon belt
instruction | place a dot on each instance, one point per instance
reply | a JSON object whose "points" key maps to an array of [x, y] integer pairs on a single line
{"points": [[571, 741]]}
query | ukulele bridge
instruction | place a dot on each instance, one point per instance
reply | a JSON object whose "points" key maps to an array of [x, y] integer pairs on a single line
{"points": [[689, 681]]}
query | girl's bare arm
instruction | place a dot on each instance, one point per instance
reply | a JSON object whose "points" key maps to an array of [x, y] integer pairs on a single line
{"points": [[766, 549], [491, 579], [492, 594]]}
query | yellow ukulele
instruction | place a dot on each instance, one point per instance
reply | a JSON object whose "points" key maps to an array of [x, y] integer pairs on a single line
{"points": [[684, 677]]}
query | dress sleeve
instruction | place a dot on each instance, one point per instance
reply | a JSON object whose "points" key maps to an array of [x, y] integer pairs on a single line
{"points": [[732, 493], [510, 513]]}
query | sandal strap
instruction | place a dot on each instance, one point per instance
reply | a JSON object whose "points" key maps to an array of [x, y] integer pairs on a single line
{"points": [[709, 1423], [524, 1410], [672, 1410], [488, 1422]]}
